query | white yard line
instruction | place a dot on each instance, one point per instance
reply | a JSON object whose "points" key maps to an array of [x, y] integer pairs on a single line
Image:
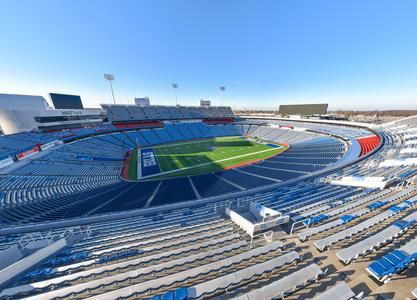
{"points": [[212, 162]]}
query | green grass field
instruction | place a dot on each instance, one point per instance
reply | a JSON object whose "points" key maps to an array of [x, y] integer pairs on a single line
{"points": [[204, 156], [133, 166]]}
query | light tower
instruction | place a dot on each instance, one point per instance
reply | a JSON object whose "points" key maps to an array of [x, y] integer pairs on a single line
{"points": [[222, 89], [110, 78], [175, 86]]}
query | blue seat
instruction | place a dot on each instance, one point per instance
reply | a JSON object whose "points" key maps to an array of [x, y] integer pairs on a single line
{"points": [[315, 219], [377, 268], [385, 263], [393, 262], [411, 202], [404, 224], [396, 208], [399, 254], [178, 294], [392, 259], [376, 205], [347, 218], [181, 294]]}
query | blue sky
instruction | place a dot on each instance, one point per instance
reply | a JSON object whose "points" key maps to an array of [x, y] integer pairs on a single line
{"points": [[353, 54]]}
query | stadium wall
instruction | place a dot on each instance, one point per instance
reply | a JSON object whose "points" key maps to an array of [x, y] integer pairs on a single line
{"points": [[17, 120]]}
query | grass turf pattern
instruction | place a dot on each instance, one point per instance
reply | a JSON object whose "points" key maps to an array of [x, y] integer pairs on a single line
{"points": [[133, 165], [204, 156]]}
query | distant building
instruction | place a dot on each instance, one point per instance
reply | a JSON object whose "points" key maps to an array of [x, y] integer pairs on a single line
{"points": [[19, 113], [205, 103], [143, 102]]}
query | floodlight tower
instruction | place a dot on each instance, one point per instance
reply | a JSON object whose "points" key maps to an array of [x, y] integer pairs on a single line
{"points": [[110, 78], [175, 86], [222, 89]]}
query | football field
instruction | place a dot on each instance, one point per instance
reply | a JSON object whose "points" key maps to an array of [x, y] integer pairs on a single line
{"points": [[198, 157]]}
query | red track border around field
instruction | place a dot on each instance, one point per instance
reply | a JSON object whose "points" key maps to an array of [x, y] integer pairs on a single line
{"points": [[126, 165]]}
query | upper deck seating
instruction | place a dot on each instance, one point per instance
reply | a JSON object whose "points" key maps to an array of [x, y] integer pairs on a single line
{"points": [[119, 112]]}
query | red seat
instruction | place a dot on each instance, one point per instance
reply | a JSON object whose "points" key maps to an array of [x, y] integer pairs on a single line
{"points": [[368, 143]]}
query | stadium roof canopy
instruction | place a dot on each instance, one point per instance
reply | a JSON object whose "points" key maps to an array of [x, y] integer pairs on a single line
{"points": [[13, 101]]}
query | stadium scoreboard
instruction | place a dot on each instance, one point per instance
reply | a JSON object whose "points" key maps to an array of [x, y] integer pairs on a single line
{"points": [[303, 109], [205, 103], [64, 101], [143, 102]]}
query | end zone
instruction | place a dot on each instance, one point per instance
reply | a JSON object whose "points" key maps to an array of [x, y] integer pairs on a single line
{"points": [[148, 164]]}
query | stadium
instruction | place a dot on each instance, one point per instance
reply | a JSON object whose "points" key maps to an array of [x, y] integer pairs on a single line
{"points": [[175, 202], [210, 149]]}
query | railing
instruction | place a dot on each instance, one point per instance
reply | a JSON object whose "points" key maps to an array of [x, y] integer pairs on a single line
{"points": [[50, 237], [232, 203], [298, 222], [268, 236]]}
